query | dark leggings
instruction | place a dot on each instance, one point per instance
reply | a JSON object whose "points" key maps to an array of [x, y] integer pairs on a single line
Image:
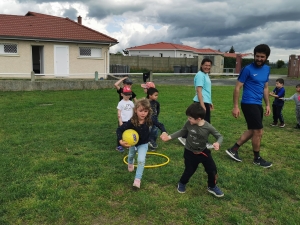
{"points": [[191, 162], [207, 114], [277, 113]]}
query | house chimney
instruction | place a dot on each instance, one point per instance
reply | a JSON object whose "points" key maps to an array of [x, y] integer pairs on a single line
{"points": [[79, 20]]}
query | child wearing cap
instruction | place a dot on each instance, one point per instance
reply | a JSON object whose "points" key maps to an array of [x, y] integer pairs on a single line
{"points": [[125, 110], [126, 82]]}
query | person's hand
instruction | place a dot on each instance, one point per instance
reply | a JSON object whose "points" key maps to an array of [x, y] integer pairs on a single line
{"points": [[268, 111], [124, 144], [211, 106], [216, 146], [236, 112], [164, 136]]}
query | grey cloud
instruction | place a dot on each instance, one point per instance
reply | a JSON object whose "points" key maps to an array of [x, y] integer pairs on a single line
{"points": [[71, 13], [100, 11]]}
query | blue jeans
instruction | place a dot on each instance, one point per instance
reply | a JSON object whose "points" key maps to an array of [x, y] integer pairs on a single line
{"points": [[142, 151], [153, 133]]}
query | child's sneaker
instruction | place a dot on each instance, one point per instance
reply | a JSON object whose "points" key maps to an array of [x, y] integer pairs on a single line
{"points": [[120, 149], [215, 191], [282, 125], [273, 124], [181, 188], [137, 183], [261, 162], [182, 140], [131, 167], [152, 144]]}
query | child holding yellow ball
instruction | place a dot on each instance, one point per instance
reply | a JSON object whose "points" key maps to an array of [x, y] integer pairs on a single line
{"points": [[141, 122]]}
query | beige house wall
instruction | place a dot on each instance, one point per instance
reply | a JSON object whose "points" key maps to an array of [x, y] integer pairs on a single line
{"points": [[16, 63], [218, 63], [22, 62]]}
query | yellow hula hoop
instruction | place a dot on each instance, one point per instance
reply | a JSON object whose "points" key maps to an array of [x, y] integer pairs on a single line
{"points": [[152, 166]]}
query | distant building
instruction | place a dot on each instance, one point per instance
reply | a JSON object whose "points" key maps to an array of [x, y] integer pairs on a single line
{"points": [[244, 55], [49, 44], [164, 49]]}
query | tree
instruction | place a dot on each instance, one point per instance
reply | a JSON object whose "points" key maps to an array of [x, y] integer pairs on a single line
{"points": [[126, 52], [119, 53], [280, 63], [231, 50]]}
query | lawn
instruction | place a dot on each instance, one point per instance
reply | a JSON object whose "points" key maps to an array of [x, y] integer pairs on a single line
{"points": [[59, 164]]}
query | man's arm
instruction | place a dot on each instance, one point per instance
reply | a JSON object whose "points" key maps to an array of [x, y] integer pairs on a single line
{"points": [[236, 95], [266, 99]]}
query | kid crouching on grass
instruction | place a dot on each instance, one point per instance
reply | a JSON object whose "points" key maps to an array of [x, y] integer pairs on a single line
{"points": [[197, 130], [141, 122]]}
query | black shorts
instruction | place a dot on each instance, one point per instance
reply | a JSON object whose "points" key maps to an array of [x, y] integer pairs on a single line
{"points": [[253, 115]]}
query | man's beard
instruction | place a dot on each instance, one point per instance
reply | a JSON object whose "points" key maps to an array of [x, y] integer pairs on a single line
{"points": [[262, 63]]}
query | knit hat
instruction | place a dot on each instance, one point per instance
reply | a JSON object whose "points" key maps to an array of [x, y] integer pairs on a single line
{"points": [[127, 81]]}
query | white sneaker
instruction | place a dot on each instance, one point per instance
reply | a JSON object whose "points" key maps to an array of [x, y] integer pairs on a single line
{"points": [[182, 140], [208, 145]]}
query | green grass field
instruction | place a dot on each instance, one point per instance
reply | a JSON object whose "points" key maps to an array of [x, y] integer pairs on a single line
{"points": [[59, 164]]}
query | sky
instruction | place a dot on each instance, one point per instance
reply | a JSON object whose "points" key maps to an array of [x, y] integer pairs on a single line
{"points": [[196, 23]]}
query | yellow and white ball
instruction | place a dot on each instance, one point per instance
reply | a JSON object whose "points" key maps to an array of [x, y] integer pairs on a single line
{"points": [[130, 136]]}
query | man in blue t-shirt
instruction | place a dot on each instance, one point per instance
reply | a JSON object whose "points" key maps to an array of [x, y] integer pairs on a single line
{"points": [[254, 80]]}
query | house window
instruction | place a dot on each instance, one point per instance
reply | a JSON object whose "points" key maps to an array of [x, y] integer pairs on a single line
{"points": [[8, 48], [211, 57], [89, 52]]}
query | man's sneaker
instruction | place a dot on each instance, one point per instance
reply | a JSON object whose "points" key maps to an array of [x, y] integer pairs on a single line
{"points": [[182, 140], [137, 183], [208, 145], [181, 188], [120, 149], [233, 154], [282, 125], [297, 126], [273, 124], [215, 191], [261, 162], [153, 144]]}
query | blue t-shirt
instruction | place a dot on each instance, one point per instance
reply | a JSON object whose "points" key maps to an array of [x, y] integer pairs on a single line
{"points": [[202, 80], [254, 79], [280, 92]]}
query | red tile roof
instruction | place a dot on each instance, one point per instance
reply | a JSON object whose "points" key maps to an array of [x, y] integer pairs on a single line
{"points": [[171, 46], [39, 26]]}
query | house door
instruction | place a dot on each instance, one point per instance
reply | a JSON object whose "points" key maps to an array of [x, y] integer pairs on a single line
{"points": [[61, 59], [38, 59]]}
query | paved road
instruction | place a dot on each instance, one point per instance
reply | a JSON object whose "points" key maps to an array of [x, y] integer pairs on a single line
{"points": [[226, 81]]}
